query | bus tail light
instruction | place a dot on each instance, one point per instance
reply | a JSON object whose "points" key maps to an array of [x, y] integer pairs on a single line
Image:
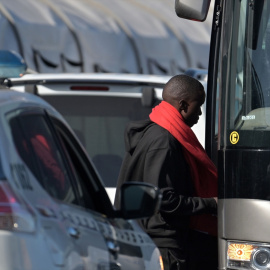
{"points": [[248, 256], [14, 214]]}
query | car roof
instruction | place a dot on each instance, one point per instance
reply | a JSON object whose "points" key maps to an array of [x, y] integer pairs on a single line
{"points": [[8, 97], [109, 78], [101, 84], [112, 84], [106, 78]]}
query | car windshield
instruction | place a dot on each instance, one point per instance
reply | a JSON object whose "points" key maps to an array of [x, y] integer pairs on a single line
{"points": [[99, 122]]}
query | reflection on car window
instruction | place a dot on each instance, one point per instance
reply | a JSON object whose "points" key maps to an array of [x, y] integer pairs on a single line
{"points": [[35, 144], [79, 173], [89, 190]]}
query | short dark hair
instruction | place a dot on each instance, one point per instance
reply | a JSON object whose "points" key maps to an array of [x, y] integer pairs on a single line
{"points": [[182, 87]]}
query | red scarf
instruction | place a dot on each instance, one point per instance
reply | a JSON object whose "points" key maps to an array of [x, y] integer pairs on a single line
{"points": [[203, 170]]}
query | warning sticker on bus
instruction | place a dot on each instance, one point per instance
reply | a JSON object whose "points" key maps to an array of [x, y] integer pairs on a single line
{"points": [[234, 137]]}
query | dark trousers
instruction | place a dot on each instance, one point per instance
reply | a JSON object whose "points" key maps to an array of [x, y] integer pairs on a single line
{"points": [[201, 254], [173, 259], [203, 251]]}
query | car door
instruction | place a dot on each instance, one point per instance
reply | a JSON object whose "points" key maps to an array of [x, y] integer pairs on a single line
{"points": [[96, 234], [52, 191], [129, 247], [43, 181]]}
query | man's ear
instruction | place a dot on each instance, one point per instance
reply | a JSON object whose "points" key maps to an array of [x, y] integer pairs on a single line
{"points": [[183, 105]]}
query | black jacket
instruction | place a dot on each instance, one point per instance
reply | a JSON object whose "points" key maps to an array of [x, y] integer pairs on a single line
{"points": [[154, 156]]}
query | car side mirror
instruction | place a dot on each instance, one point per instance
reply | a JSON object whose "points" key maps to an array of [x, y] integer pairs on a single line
{"points": [[139, 200]]}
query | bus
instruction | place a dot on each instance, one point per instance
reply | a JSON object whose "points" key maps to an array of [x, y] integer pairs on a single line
{"points": [[238, 125]]}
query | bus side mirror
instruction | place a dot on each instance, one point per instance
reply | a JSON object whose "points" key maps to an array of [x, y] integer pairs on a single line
{"points": [[195, 10]]}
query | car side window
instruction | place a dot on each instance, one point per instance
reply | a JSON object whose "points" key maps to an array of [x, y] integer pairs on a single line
{"points": [[36, 146], [91, 192]]}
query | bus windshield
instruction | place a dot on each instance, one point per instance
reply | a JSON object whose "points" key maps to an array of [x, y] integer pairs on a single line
{"points": [[246, 66]]}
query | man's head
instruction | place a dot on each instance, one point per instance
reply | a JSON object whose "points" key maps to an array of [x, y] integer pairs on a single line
{"points": [[187, 95]]}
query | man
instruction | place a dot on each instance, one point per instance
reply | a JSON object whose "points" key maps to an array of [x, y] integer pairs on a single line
{"points": [[164, 151]]}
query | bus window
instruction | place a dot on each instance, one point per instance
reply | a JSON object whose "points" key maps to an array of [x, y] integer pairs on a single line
{"points": [[247, 105]]}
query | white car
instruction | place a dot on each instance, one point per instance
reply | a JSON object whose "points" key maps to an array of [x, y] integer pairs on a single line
{"points": [[98, 107], [54, 211]]}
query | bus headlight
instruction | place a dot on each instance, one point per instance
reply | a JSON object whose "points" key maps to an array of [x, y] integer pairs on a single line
{"points": [[261, 258], [248, 256]]}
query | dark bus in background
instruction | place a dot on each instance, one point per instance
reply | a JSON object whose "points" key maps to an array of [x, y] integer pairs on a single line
{"points": [[238, 125]]}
